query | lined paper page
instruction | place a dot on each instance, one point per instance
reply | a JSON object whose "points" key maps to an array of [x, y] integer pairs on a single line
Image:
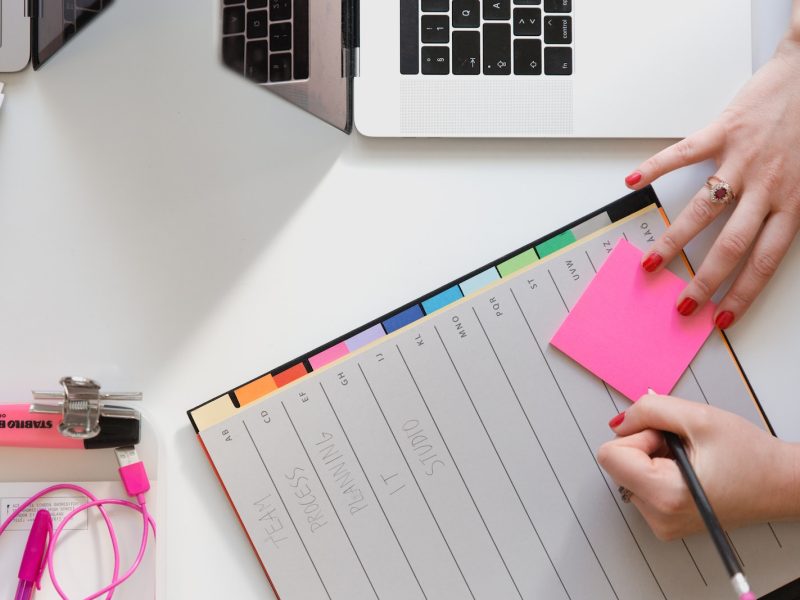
{"points": [[455, 459]]}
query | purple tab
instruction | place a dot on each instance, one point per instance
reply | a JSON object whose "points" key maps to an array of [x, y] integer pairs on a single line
{"points": [[365, 337]]}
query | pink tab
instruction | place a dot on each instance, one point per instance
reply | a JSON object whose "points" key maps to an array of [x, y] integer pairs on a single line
{"points": [[626, 330], [328, 356]]}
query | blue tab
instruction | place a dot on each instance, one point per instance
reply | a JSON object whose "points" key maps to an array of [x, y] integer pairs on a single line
{"points": [[402, 319], [442, 299]]}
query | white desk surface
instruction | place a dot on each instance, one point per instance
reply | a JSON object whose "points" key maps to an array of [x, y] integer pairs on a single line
{"points": [[170, 228]]}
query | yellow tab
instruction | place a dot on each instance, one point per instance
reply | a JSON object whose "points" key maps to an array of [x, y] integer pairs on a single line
{"points": [[212, 413]]}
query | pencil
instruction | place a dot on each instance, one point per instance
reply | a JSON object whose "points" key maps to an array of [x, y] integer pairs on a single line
{"points": [[721, 541]]}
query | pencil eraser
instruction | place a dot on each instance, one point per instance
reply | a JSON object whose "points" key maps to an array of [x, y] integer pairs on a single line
{"points": [[748, 596]]}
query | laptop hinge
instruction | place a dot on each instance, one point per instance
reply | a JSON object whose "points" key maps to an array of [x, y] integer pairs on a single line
{"points": [[351, 62]]}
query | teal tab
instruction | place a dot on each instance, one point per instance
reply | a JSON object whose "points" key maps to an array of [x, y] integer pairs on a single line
{"points": [[554, 244], [479, 281], [442, 299]]}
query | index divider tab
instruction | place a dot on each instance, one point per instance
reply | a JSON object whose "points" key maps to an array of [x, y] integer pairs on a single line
{"points": [[211, 413], [256, 389]]}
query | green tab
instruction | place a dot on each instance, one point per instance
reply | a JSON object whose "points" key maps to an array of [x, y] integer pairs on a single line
{"points": [[520, 261], [562, 240]]}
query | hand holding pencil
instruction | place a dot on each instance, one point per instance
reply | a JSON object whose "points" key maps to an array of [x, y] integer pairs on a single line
{"points": [[748, 475]]}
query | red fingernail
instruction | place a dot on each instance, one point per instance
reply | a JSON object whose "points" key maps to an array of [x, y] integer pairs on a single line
{"points": [[724, 319], [687, 306], [652, 262], [617, 421], [633, 178]]}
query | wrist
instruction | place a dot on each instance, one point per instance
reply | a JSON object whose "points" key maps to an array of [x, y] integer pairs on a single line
{"points": [[794, 490], [787, 490]]}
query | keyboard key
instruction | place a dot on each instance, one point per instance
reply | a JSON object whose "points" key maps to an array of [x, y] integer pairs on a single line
{"points": [[557, 6], [300, 39], [466, 53], [435, 5], [409, 37], [233, 20], [280, 36], [466, 13], [557, 30], [528, 2], [251, 4], [229, 2], [527, 21], [435, 60], [280, 10], [257, 61], [233, 52], [527, 57], [435, 29], [497, 49], [496, 10], [558, 61], [257, 24], [280, 67]]}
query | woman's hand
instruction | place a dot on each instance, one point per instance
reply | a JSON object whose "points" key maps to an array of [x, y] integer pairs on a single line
{"points": [[756, 144], [748, 475]]}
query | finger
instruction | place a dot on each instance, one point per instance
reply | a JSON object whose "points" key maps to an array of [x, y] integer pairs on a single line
{"points": [[772, 245], [646, 477], [663, 413], [697, 147], [649, 441], [696, 216], [727, 251]]}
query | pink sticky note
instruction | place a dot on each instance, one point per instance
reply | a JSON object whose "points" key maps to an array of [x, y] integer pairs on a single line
{"points": [[625, 328]]}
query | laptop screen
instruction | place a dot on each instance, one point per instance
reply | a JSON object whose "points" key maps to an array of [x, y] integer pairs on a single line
{"points": [[55, 22]]}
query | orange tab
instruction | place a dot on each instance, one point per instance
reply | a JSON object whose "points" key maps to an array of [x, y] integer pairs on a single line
{"points": [[256, 389]]}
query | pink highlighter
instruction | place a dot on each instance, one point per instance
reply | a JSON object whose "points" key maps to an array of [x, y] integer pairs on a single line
{"points": [[77, 418], [22, 426], [32, 567]]}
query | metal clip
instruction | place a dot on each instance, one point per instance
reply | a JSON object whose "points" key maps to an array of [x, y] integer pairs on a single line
{"points": [[81, 405]]}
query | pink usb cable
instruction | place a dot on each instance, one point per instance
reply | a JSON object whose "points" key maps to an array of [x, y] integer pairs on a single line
{"points": [[134, 478]]}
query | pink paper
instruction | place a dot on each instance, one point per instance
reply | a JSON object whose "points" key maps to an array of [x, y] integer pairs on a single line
{"points": [[625, 328]]}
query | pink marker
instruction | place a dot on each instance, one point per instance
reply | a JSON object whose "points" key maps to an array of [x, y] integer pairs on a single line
{"points": [[32, 567]]}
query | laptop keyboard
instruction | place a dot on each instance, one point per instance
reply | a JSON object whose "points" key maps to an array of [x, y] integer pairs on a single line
{"points": [[489, 37], [266, 40]]}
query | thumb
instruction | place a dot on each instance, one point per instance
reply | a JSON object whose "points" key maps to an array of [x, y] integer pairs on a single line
{"points": [[664, 413]]}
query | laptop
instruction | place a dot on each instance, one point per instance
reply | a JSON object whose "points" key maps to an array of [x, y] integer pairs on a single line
{"points": [[34, 30], [496, 68]]}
